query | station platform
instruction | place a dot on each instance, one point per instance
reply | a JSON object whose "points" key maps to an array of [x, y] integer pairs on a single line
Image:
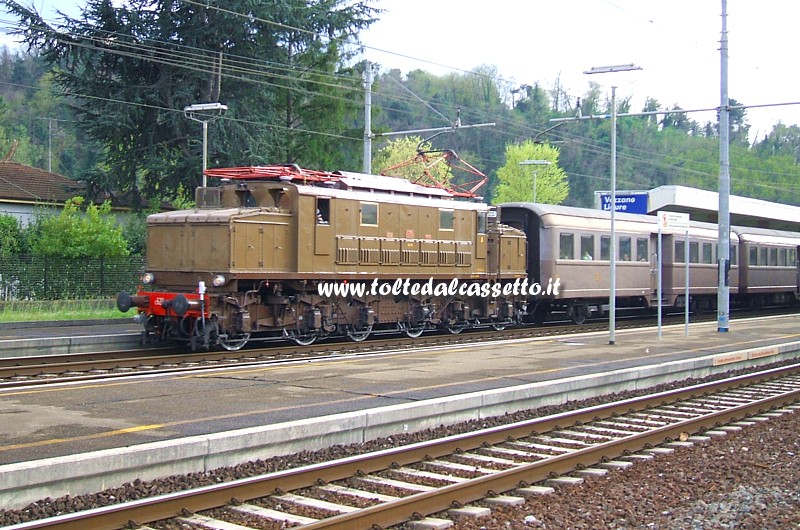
{"points": [[120, 429]]}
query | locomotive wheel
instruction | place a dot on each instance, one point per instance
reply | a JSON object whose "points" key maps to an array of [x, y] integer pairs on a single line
{"points": [[458, 327], [358, 335], [499, 325], [303, 339], [234, 344], [412, 332]]}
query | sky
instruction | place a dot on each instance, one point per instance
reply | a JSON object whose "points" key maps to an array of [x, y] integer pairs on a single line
{"points": [[675, 42]]}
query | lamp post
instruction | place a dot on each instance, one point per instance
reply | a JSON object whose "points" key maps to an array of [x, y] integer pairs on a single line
{"points": [[612, 296], [535, 172], [204, 113]]}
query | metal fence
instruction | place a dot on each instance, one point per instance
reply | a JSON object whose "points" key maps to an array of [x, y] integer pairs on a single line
{"points": [[47, 278]]}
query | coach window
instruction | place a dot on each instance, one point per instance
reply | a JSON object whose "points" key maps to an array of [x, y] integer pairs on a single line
{"points": [[762, 255], [587, 247], [680, 251], [707, 253], [369, 213], [605, 248], [446, 219], [566, 246], [625, 248], [753, 256], [694, 252], [773, 257], [642, 253], [734, 256], [791, 259]]}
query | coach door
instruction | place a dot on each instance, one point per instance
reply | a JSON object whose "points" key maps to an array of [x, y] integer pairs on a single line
{"points": [[667, 267]]}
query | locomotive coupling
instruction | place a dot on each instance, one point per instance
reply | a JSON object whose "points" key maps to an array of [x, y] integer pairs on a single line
{"points": [[126, 301]]}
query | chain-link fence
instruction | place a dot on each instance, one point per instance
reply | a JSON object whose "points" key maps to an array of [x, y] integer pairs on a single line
{"points": [[47, 278]]}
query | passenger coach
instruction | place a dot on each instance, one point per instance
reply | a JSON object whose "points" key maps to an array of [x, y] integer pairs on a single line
{"points": [[574, 245]]}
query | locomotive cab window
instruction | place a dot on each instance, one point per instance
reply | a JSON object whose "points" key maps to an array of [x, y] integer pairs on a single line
{"points": [[566, 246], [446, 219], [587, 247], [369, 213], [323, 210], [481, 222]]}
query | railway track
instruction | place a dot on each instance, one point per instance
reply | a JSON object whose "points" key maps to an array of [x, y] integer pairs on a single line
{"points": [[446, 477], [47, 369]]}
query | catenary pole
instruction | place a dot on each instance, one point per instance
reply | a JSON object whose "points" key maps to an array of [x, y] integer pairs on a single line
{"points": [[724, 246]]}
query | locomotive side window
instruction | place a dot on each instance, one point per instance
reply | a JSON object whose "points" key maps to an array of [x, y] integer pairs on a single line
{"points": [[625, 248], [481, 222], [587, 247], [605, 248], [694, 252], [566, 246], [369, 213], [680, 251], [323, 210], [446, 219], [707, 253], [642, 253]]}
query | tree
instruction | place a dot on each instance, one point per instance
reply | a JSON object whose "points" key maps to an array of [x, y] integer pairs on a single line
{"points": [[406, 149], [131, 69], [10, 235], [73, 234], [517, 181]]}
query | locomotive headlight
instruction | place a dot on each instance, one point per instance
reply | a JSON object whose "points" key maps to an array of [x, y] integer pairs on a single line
{"points": [[148, 278], [218, 280]]}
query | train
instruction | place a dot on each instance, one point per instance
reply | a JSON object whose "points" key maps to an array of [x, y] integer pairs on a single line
{"points": [[282, 252]]}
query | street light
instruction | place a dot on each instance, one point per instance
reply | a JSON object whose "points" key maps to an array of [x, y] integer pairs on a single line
{"points": [[204, 113], [534, 163], [612, 296]]}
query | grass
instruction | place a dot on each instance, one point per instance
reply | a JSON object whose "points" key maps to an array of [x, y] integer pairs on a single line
{"points": [[37, 311]]}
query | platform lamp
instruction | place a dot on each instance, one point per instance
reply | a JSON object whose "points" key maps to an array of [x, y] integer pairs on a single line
{"points": [[204, 113], [612, 297], [535, 171]]}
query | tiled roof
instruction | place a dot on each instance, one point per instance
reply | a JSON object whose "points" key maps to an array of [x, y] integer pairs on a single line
{"points": [[28, 184]]}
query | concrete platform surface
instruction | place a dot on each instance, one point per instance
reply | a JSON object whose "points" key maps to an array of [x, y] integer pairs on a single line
{"points": [[72, 418]]}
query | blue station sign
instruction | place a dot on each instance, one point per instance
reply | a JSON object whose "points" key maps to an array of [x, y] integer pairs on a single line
{"points": [[626, 202]]}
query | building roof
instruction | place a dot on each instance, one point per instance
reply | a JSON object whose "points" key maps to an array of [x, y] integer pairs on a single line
{"points": [[21, 183]]}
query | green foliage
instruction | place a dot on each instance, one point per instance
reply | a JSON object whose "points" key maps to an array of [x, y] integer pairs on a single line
{"points": [[404, 150], [516, 182], [73, 234], [11, 238], [283, 78]]}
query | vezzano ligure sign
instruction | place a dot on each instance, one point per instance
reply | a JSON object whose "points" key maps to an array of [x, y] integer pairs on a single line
{"points": [[626, 202]]}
